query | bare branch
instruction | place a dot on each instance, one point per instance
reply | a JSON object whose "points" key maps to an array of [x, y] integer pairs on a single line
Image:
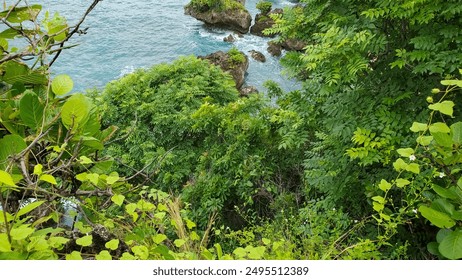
{"points": [[74, 30]]}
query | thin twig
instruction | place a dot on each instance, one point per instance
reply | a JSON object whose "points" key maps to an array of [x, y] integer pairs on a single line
{"points": [[76, 28]]}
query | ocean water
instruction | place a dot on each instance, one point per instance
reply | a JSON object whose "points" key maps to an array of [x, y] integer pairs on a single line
{"points": [[125, 35]]}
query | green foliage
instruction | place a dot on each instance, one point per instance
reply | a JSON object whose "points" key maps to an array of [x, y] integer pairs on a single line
{"points": [[435, 193], [217, 5], [185, 129], [235, 57], [264, 7]]}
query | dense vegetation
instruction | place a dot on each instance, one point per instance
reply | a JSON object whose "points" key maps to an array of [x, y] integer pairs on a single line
{"points": [[170, 163]]}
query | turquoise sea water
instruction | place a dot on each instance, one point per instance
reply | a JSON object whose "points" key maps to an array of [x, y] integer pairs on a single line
{"points": [[126, 35]]}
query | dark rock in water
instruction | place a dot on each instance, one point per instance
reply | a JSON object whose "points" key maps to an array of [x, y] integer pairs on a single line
{"points": [[293, 45], [235, 19], [229, 38], [258, 56], [275, 49], [263, 22], [223, 60], [247, 90]]}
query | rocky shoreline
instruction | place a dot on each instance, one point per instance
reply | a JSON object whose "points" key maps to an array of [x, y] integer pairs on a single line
{"points": [[234, 16]]}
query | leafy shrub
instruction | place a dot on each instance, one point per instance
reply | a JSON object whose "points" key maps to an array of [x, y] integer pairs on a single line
{"points": [[264, 7], [235, 56]]}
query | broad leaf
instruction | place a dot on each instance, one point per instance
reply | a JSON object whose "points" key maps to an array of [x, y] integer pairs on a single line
{"points": [[112, 244], [87, 240], [5, 245], [451, 246], [21, 232], [439, 127], [76, 256], [31, 110], [62, 84], [6, 179], [118, 199], [384, 185], [20, 14], [103, 256], [48, 178], [10, 145], [400, 182], [456, 131], [405, 152], [75, 111], [437, 218], [29, 207], [416, 127], [445, 107]]}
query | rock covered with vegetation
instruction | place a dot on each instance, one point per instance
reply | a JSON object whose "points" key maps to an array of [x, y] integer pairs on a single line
{"points": [[227, 13], [234, 62], [263, 19]]}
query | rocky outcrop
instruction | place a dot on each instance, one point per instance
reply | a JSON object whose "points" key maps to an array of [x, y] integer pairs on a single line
{"points": [[262, 22], [238, 19], [258, 56], [224, 61], [275, 49], [293, 45], [247, 90], [230, 38]]}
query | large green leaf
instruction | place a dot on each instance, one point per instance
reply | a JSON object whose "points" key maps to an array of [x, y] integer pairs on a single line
{"points": [[443, 205], [451, 246], [437, 218], [442, 139], [62, 84], [446, 107], [20, 14], [10, 145], [439, 127], [29, 207], [15, 72], [75, 111], [31, 110], [6, 179], [456, 131]]}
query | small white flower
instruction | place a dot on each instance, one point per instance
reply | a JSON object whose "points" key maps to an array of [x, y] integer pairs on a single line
{"points": [[414, 210], [412, 157], [333, 209], [441, 175], [356, 221]]}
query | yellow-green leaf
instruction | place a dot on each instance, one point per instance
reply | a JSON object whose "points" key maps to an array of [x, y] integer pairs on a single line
{"points": [[48, 178], [62, 84], [414, 168], [29, 207], [103, 256], [445, 107], [405, 152], [399, 165], [118, 199], [5, 178], [38, 169], [87, 240], [439, 219], [416, 127], [21, 232], [5, 245], [179, 242], [74, 256], [400, 183], [159, 238], [384, 185], [112, 244]]}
